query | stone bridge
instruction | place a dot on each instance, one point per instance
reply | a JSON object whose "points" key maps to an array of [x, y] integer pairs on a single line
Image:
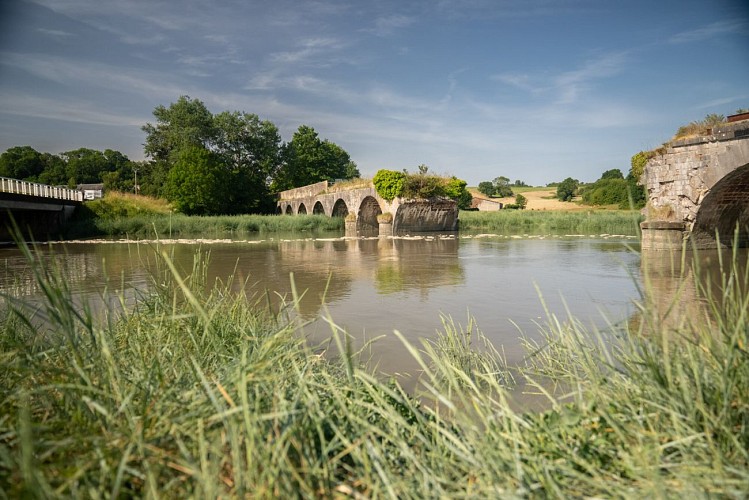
{"points": [[698, 188], [366, 212]]}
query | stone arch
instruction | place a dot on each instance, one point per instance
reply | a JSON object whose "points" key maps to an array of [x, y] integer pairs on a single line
{"points": [[724, 207], [366, 219], [302, 210], [279, 210], [339, 209], [318, 209], [289, 210]]}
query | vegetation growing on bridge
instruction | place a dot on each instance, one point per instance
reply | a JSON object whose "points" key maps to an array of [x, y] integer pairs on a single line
{"points": [[196, 392], [391, 184]]}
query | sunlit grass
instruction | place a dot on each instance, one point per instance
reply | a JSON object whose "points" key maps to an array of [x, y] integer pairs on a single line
{"points": [[195, 392], [622, 222], [220, 226]]}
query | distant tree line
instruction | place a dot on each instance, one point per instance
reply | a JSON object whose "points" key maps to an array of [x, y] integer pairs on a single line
{"points": [[71, 168], [500, 187], [204, 164], [612, 188]]}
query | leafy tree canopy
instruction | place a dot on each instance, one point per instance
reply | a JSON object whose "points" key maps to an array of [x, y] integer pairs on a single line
{"points": [[567, 188], [308, 159], [502, 187], [487, 188], [614, 173], [21, 162], [198, 182]]}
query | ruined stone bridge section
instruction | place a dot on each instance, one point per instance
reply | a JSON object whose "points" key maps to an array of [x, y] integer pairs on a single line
{"points": [[366, 212], [698, 190]]}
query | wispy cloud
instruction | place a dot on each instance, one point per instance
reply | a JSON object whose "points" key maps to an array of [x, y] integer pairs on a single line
{"points": [[76, 73], [571, 84], [75, 111], [712, 30], [568, 86], [59, 34], [384, 26], [717, 103], [308, 49]]}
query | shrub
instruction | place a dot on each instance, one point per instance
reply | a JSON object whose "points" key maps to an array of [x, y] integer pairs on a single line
{"points": [[389, 183], [456, 189], [423, 186], [385, 218]]}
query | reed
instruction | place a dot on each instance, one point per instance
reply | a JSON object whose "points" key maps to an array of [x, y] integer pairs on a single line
{"points": [[178, 225], [622, 222], [195, 392]]}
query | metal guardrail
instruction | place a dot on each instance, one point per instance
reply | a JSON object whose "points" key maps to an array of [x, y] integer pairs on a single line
{"points": [[15, 186]]}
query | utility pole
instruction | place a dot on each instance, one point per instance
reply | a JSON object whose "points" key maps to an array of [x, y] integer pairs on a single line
{"points": [[135, 187]]}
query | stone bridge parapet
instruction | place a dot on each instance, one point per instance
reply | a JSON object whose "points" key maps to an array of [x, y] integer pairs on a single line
{"points": [[701, 183]]}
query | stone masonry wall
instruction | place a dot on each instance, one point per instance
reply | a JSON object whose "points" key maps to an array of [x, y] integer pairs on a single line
{"points": [[678, 181]]}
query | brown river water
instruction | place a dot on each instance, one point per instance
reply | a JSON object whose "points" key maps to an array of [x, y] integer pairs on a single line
{"points": [[371, 287]]}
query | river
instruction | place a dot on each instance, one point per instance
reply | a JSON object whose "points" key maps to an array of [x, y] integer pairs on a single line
{"points": [[371, 287]]}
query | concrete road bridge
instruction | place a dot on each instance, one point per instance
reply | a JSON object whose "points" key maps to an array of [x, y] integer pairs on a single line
{"points": [[698, 190], [38, 210], [366, 212]]}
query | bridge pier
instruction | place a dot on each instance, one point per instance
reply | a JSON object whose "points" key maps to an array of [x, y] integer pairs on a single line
{"points": [[662, 235], [698, 191]]}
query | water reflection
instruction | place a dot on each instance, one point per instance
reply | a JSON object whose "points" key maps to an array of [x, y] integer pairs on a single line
{"points": [[677, 284]]}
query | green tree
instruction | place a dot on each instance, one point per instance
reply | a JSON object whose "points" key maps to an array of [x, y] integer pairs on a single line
{"points": [[456, 189], [184, 124], [521, 201], [198, 182], [21, 162], [87, 166], [614, 173], [502, 187], [307, 159], [567, 188], [487, 188], [609, 191], [250, 149], [54, 170]]}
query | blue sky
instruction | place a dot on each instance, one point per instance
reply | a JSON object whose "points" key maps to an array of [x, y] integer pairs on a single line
{"points": [[535, 90]]}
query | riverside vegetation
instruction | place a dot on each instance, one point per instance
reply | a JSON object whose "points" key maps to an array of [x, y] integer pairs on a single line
{"points": [[196, 392], [119, 214]]}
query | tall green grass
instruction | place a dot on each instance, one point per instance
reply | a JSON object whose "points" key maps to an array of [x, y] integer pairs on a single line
{"points": [[552, 222], [179, 225], [196, 393]]}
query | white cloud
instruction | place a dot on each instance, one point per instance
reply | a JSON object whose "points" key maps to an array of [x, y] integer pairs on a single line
{"points": [[308, 50], [55, 33], [712, 30]]}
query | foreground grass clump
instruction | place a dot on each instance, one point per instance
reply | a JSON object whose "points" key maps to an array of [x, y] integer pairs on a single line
{"points": [[624, 222], [196, 393]]}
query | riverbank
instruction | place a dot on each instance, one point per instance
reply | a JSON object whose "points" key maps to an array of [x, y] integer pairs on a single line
{"points": [[198, 393], [512, 222]]}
